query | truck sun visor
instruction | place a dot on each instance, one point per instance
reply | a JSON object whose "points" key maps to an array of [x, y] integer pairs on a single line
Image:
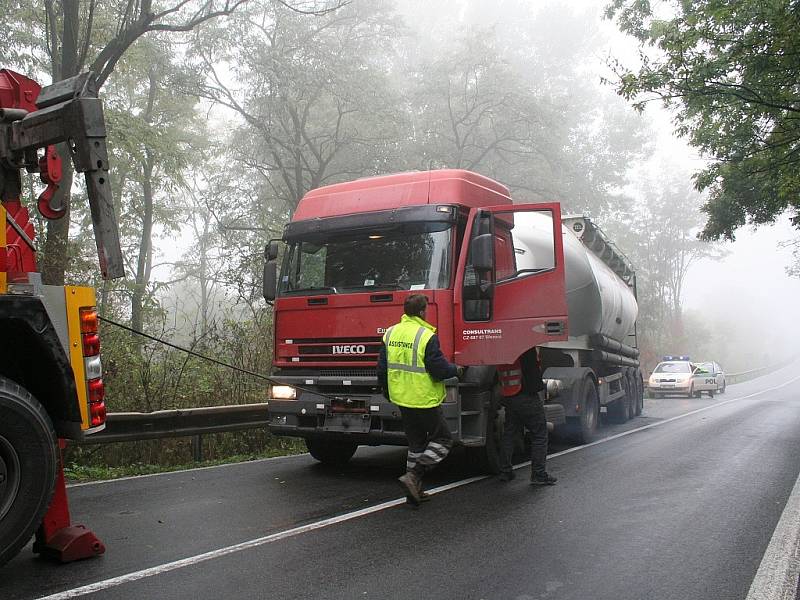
{"points": [[425, 218]]}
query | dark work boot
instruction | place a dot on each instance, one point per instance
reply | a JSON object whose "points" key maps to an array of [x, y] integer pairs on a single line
{"points": [[506, 476], [412, 487], [543, 478]]}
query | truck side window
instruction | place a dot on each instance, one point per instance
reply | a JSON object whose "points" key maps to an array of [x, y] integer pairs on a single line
{"points": [[505, 259], [478, 285], [532, 241]]}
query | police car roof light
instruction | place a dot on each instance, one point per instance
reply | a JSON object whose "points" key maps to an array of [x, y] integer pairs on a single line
{"points": [[670, 357]]}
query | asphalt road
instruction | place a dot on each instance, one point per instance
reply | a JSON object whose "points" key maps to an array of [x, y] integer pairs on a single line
{"points": [[678, 508]]}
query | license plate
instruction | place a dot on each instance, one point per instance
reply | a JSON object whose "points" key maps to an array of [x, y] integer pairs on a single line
{"points": [[353, 423]]}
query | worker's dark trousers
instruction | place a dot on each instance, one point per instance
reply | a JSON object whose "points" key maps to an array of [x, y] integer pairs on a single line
{"points": [[429, 439], [524, 410]]}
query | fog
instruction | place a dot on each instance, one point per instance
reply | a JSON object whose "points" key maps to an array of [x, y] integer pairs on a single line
{"points": [[740, 310]]}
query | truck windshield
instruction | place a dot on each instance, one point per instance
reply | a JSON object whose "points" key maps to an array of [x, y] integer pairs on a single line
{"points": [[411, 259]]}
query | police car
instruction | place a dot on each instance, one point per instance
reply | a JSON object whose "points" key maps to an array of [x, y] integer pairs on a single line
{"points": [[674, 375], [708, 377]]}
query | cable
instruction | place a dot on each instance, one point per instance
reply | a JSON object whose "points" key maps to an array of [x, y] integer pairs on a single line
{"points": [[215, 361]]}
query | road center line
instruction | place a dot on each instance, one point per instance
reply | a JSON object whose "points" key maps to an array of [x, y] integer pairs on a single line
{"points": [[295, 531]]}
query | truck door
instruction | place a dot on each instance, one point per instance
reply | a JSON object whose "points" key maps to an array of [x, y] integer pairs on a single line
{"points": [[509, 292]]}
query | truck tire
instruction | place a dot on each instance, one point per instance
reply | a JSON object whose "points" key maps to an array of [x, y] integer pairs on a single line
{"points": [[639, 406], [619, 411], [583, 428], [333, 453], [28, 466]]}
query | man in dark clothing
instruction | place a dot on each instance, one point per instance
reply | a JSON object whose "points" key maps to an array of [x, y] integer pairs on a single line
{"points": [[418, 392], [524, 409]]}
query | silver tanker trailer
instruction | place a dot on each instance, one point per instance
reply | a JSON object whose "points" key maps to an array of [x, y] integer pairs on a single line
{"points": [[598, 365]]}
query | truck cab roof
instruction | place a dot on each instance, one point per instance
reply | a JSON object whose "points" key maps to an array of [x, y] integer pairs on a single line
{"points": [[445, 186]]}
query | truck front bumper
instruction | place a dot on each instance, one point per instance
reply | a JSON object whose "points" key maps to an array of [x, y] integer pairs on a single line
{"points": [[364, 418]]}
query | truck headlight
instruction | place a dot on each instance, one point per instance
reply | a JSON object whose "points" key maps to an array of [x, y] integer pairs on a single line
{"points": [[283, 392]]}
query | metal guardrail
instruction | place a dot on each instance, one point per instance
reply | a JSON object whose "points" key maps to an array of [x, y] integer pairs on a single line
{"points": [[184, 422], [745, 375], [134, 426]]}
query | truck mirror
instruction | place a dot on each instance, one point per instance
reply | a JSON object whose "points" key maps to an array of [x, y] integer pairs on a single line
{"points": [[270, 280], [482, 252], [271, 250]]}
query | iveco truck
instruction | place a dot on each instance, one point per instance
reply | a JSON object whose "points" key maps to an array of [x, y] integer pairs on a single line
{"points": [[502, 279]]}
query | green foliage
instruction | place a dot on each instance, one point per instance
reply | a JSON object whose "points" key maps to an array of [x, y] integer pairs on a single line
{"points": [[730, 69], [98, 462]]}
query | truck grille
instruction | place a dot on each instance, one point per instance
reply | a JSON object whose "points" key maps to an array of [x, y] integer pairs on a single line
{"points": [[359, 350], [344, 373]]}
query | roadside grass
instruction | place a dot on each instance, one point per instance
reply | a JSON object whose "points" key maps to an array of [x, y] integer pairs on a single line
{"points": [[80, 468]]}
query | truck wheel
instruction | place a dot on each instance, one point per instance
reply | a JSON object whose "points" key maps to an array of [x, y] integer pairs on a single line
{"points": [[619, 411], [639, 387], [583, 429], [28, 466], [722, 389], [633, 394], [334, 453]]}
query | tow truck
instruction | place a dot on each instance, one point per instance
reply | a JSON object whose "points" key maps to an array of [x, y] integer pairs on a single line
{"points": [[51, 378]]}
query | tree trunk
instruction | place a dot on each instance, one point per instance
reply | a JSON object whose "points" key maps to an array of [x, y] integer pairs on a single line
{"points": [[144, 262]]}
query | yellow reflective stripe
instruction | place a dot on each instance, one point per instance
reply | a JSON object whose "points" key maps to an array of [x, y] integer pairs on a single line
{"points": [[415, 348], [402, 367]]}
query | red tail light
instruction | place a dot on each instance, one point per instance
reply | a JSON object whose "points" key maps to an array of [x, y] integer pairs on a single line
{"points": [[97, 391], [89, 321], [97, 412], [91, 344]]}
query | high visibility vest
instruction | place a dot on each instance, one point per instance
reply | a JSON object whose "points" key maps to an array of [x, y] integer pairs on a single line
{"points": [[410, 385]]}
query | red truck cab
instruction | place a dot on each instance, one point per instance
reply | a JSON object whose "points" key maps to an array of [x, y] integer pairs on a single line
{"points": [[356, 250]]}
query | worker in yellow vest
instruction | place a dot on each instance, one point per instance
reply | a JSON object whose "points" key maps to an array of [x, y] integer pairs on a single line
{"points": [[411, 369]]}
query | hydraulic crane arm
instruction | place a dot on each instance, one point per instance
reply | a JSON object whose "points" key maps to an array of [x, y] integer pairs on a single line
{"points": [[67, 111]]}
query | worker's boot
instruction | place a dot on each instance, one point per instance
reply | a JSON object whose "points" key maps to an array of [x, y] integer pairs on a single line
{"points": [[506, 475], [412, 486], [543, 478]]}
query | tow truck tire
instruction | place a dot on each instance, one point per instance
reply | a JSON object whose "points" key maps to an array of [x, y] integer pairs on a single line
{"points": [[583, 428], [28, 466], [333, 453]]}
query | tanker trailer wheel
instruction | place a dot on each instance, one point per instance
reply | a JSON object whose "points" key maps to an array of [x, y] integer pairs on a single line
{"points": [[331, 452], [583, 428], [637, 377], [28, 466], [619, 411], [633, 393]]}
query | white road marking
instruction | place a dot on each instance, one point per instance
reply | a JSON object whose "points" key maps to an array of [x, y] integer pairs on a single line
{"points": [[776, 578], [295, 531]]}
